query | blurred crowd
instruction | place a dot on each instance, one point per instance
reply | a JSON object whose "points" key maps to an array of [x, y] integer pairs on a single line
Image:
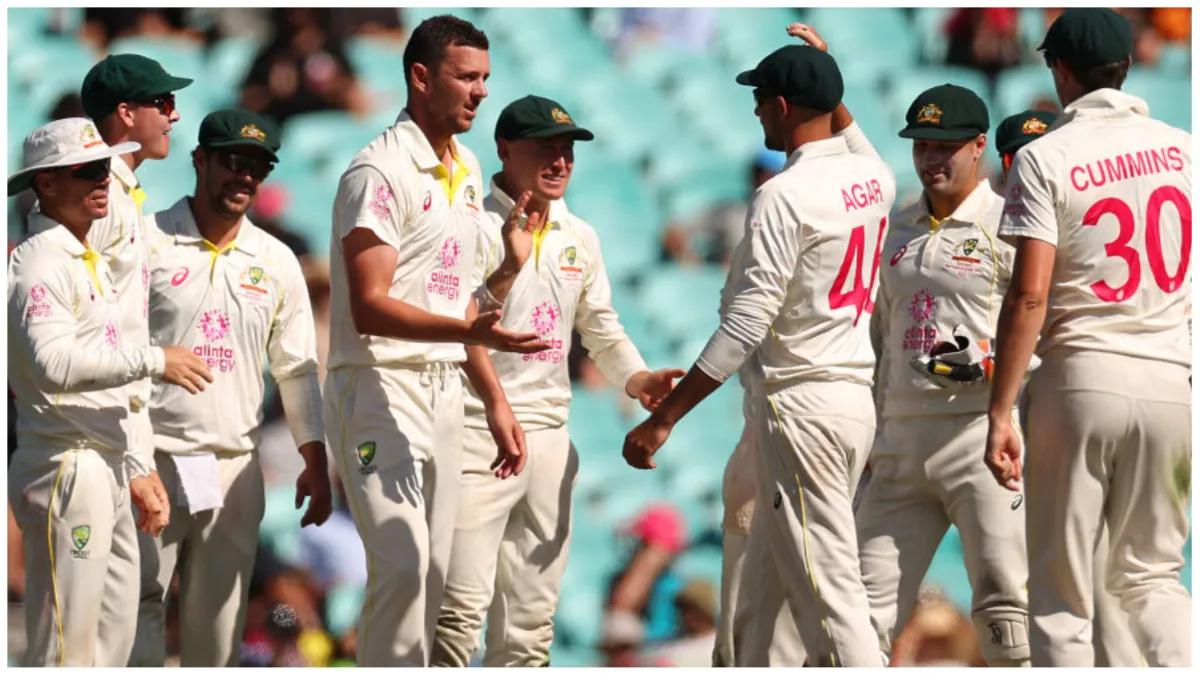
{"points": [[307, 587]]}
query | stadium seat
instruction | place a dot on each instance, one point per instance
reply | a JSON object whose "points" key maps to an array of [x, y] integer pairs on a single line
{"points": [[880, 37], [1018, 88], [1162, 93], [681, 299], [928, 24], [228, 61]]}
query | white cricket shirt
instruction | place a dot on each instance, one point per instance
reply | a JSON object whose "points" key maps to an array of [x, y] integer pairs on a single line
{"points": [[933, 277], [1111, 188], [120, 238], [802, 290], [563, 286], [399, 189], [232, 307], [69, 365]]}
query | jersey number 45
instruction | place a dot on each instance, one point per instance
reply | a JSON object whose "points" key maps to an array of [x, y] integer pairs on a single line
{"points": [[859, 296]]}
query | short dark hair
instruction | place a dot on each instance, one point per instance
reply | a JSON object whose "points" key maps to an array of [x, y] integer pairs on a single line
{"points": [[428, 42], [1093, 78]]}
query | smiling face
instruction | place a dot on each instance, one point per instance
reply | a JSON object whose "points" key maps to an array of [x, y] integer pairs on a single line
{"points": [[947, 167], [542, 166], [451, 91], [228, 179]]}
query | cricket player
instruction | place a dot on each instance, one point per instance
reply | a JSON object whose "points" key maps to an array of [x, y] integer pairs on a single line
{"points": [[801, 297], [939, 294], [741, 591], [405, 222], [237, 297], [73, 473], [130, 99], [1113, 642], [546, 273], [1099, 211]]}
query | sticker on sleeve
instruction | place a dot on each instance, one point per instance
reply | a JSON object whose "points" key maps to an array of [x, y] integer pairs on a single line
{"points": [[1014, 206], [39, 305], [380, 204]]}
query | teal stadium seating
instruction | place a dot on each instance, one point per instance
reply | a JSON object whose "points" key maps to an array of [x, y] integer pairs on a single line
{"points": [[675, 136]]}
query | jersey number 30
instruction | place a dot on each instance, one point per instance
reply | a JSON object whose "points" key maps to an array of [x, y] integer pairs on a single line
{"points": [[859, 296], [1119, 247]]}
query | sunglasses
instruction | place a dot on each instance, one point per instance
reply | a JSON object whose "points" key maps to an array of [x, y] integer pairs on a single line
{"points": [[90, 171], [239, 164], [164, 102], [1049, 59], [1007, 159]]}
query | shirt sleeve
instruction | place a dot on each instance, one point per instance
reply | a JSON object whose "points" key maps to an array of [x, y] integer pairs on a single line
{"points": [[365, 199], [42, 323], [757, 286], [600, 328], [292, 351], [857, 141], [1029, 207]]}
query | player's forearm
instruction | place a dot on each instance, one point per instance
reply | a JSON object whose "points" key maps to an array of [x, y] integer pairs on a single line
{"points": [[301, 398], [693, 389], [1020, 321], [500, 283], [480, 371], [74, 369], [313, 453], [388, 317]]}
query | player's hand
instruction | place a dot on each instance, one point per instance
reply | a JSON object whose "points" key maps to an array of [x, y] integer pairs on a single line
{"points": [[1003, 454], [154, 507], [644, 441], [808, 34], [651, 388], [185, 369], [313, 483], [510, 441], [518, 236], [486, 331]]}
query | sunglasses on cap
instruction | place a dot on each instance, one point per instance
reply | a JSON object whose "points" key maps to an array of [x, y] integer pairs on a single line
{"points": [[164, 102], [240, 164], [90, 171]]}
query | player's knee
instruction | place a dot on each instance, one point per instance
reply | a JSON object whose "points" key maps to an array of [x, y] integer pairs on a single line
{"points": [[1003, 636]]}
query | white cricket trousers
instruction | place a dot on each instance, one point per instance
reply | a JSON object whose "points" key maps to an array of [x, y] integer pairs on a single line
{"points": [[927, 472], [511, 542], [1109, 442], [81, 556], [812, 443], [737, 608], [214, 552], [396, 433]]}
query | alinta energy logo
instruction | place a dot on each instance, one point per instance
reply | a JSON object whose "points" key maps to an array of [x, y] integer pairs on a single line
{"points": [[214, 326], [921, 335], [544, 320], [443, 282]]}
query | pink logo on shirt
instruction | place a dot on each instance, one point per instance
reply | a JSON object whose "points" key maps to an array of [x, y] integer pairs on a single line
{"points": [[428, 200], [545, 318], [922, 306], [214, 324], [179, 277], [899, 254], [379, 206], [110, 335], [38, 307], [450, 252]]}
